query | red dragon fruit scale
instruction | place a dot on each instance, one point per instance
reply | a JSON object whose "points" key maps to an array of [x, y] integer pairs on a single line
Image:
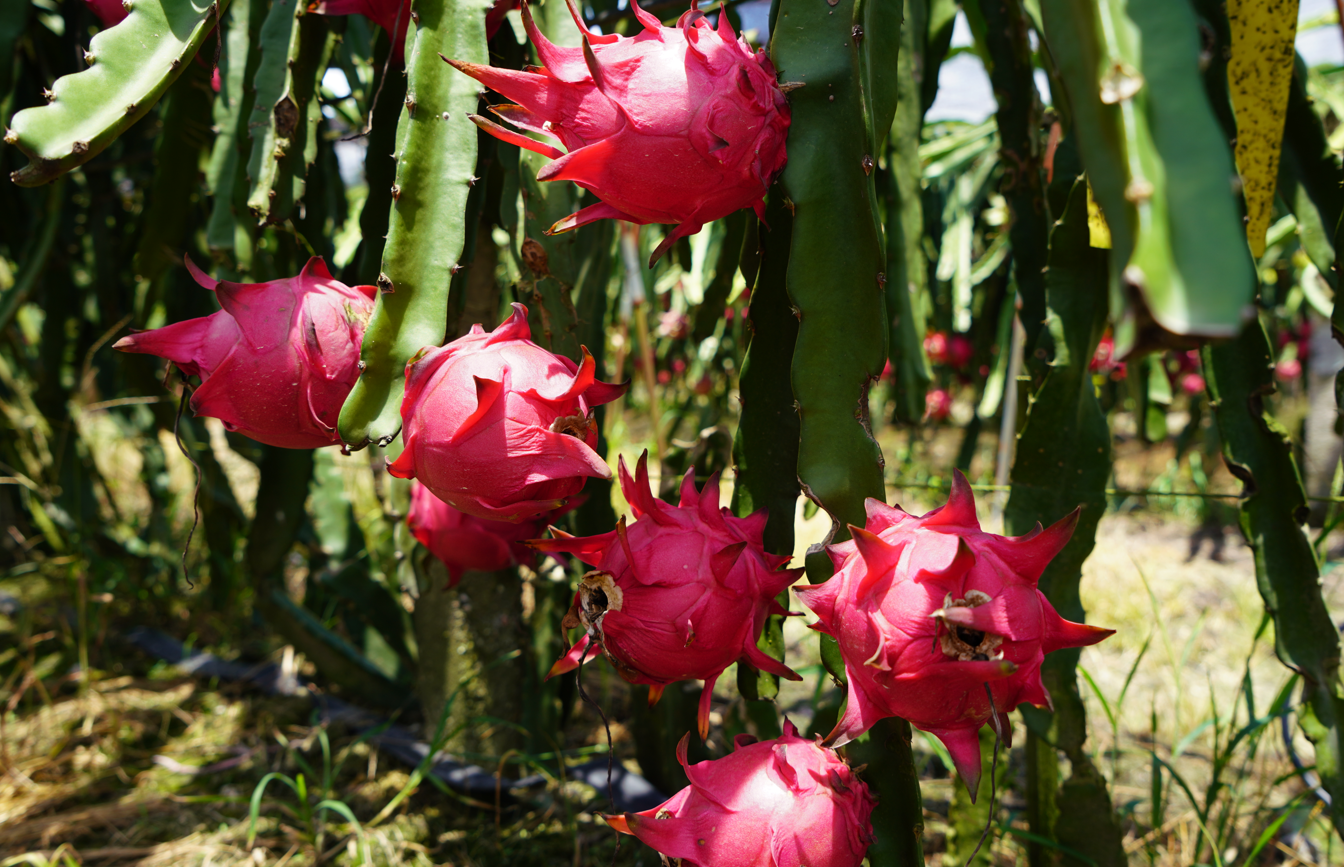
{"points": [[680, 594], [278, 361], [498, 427], [677, 124], [788, 802], [928, 610]]}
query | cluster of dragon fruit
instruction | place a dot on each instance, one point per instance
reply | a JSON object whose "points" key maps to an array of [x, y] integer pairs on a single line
{"points": [[937, 621]]}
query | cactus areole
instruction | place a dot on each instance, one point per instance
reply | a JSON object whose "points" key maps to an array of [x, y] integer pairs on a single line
{"points": [[278, 361], [788, 802], [929, 610], [498, 427], [677, 124], [681, 594]]}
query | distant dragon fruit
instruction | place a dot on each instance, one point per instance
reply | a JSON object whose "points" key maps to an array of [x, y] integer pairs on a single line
{"points": [[677, 124], [278, 361], [681, 594], [781, 803], [929, 610]]}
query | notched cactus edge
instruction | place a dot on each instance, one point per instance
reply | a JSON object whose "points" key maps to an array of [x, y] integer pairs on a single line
{"points": [[131, 66]]}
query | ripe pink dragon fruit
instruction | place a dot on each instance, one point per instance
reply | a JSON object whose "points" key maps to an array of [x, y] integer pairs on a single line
{"points": [[680, 594], [498, 427], [278, 361], [677, 124], [782, 803], [464, 542], [929, 610]]}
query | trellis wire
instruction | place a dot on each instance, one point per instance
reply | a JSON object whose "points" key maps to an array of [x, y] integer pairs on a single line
{"points": [[1110, 492]]}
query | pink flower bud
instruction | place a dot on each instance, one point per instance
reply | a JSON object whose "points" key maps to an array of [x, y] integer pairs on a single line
{"points": [[278, 361], [1287, 370], [677, 124], [681, 594], [1192, 384], [929, 610], [782, 803], [498, 427], [464, 542]]}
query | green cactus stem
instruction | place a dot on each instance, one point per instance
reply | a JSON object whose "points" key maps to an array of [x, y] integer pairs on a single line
{"points": [[281, 492], [1259, 452], [907, 267], [227, 234], [765, 449], [1019, 121], [1159, 166], [380, 167], [130, 67], [295, 48], [185, 136], [836, 63], [436, 158], [1064, 461]]}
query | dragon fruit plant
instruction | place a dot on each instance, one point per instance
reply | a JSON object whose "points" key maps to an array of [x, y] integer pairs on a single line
{"points": [[929, 610], [464, 542], [788, 802], [680, 594], [677, 125], [278, 361], [498, 427]]}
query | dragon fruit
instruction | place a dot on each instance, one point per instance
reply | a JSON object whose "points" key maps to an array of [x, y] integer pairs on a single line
{"points": [[680, 594], [677, 124], [278, 361], [782, 803], [929, 610], [464, 542], [498, 427]]}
